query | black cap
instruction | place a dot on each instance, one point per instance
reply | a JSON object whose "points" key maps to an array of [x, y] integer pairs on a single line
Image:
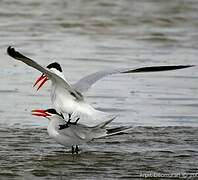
{"points": [[55, 65], [53, 111]]}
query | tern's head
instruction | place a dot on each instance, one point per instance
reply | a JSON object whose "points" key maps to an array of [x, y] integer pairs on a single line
{"points": [[48, 113], [53, 67]]}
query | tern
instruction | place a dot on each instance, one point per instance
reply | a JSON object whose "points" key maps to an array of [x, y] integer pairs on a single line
{"points": [[68, 98], [75, 135]]}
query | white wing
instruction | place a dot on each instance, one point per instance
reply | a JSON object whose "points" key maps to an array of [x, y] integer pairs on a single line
{"points": [[16, 55], [84, 132], [86, 82]]}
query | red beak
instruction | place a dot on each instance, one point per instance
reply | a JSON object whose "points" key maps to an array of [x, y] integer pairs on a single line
{"points": [[43, 78], [40, 112]]}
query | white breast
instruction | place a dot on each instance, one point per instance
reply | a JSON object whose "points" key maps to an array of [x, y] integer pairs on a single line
{"points": [[62, 100], [67, 138]]}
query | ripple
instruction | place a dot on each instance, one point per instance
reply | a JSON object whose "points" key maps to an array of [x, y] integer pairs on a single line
{"points": [[9, 91], [31, 150]]}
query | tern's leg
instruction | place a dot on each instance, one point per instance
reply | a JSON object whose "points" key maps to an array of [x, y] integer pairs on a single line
{"points": [[73, 150], [77, 149], [62, 116], [74, 123], [63, 126], [69, 118]]}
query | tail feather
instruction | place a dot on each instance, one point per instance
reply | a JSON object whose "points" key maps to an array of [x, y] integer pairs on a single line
{"points": [[117, 130], [111, 132], [103, 124]]}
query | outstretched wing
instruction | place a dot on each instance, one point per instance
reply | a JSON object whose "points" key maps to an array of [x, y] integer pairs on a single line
{"points": [[86, 82], [52, 76]]}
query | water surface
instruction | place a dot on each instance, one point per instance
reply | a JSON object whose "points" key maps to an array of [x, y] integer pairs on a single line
{"points": [[86, 36]]}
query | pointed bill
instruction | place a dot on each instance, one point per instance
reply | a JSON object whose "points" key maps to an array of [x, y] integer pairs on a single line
{"points": [[39, 112], [43, 78]]}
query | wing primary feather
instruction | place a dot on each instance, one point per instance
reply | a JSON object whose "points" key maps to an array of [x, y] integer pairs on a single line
{"points": [[16, 55], [157, 68], [86, 82]]}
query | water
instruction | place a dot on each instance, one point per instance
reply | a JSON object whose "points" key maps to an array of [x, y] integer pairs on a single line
{"points": [[168, 150], [86, 36]]}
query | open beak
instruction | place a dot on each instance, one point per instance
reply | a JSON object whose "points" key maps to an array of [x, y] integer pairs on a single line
{"points": [[43, 78], [40, 112]]}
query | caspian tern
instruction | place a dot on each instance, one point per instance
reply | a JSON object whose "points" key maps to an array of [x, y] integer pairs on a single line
{"points": [[78, 134], [68, 98]]}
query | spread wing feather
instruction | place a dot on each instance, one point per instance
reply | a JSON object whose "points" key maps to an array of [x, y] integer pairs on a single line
{"points": [[86, 82], [16, 55]]}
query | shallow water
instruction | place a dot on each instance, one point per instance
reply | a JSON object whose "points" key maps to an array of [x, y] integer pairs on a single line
{"points": [[86, 36], [29, 153]]}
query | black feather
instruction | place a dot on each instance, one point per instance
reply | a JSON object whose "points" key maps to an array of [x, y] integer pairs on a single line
{"points": [[55, 65], [53, 111], [157, 68]]}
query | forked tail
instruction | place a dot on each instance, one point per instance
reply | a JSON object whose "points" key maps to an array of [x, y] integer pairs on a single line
{"points": [[102, 131], [118, 130]]}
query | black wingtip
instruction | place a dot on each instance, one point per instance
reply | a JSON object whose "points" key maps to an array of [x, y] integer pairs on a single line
{"points": [[191, 65], [186, 66], [158, 68], [11, 51], [15, 54], [181, 67]]}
